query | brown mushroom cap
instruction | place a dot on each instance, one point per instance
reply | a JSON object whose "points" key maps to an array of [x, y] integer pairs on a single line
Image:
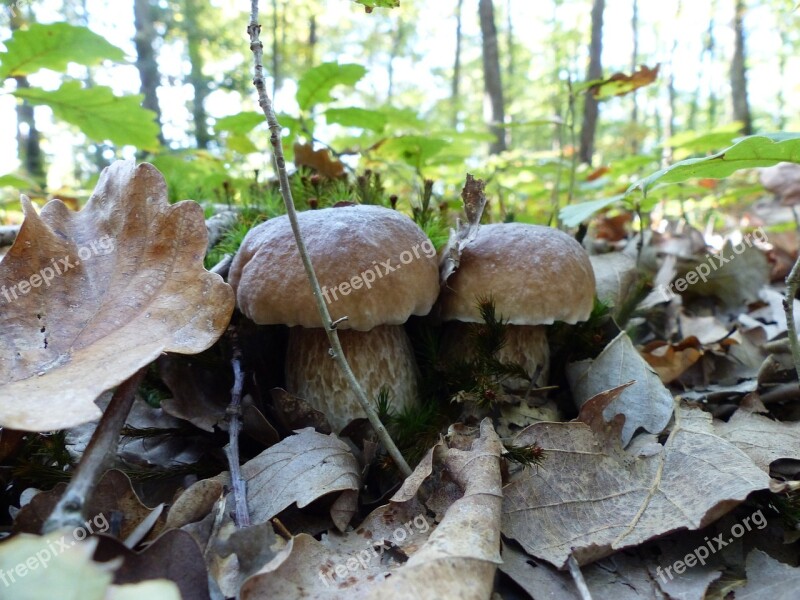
{"points": [[536, 275], [344, 245]]}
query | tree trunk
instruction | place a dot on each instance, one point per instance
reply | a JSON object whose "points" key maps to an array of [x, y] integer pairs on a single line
{"points": [[595, 71], [397, 44], [29, 149], [634, 64], [454, 94], [146, 58], [312, 41], [711, 52], [492, 81], [198, 81], [741, 106]]}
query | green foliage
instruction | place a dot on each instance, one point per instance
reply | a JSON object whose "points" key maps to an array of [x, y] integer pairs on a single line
{"points": [[53, 47], [357, 117], [99, 114], [370, 4], [748, 153], [315, 86]]}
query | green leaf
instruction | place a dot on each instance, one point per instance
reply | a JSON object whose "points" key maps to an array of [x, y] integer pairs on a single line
{"points": [[370, 4], [316, 84], [17, 181], [239, 142], [54, 46], [357, 117], [747, 153], [415, 150], [575, 214], [240, 124], [99, 114]]}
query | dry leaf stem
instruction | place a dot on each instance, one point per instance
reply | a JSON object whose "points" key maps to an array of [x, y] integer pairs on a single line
{"points": [[234, 428], [254, 30], [792, 283], [69, 512], [577, 577]]}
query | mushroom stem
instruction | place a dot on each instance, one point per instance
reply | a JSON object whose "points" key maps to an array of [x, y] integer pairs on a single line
{"points": [[381, 357], [254, 29], [525, 345]]}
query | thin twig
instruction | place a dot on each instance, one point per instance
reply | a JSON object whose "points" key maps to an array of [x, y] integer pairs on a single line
{"points": [[257, 48], [234, 428], [577, 577], [792, 283], [69, 512]]}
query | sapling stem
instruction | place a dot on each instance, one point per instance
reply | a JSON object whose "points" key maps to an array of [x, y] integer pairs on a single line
{"points": [[69, 512], [792, 283], [234, 413], [257, 48]]}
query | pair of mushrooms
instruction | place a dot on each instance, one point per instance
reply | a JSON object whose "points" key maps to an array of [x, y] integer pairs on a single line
{"points": [[377, 268]]}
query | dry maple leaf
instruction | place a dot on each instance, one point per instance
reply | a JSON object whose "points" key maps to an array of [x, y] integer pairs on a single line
{"points": [[593, 497], [90, 297]]}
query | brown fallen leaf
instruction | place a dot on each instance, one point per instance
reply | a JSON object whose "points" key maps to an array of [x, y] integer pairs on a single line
{"points": [[396, 552], [90, 297], [593, 497], [671, 361], [318, 160], [768, 578], [174, 556], [647, 403], [761, 438], [300, 469], [620, 84]]}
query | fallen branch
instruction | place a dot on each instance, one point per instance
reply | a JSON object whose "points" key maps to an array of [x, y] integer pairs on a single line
{"points": [[69, 512], [257, 48], [792, 283]]}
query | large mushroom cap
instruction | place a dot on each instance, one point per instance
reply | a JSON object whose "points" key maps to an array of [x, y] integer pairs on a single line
{"points": [[536, 275], [347, 245]]}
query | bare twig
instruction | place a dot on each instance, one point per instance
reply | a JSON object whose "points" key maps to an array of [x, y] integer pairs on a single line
{"points": [[577, 577], [234, 428], [254, 30], [792, 283], [69, 512]]}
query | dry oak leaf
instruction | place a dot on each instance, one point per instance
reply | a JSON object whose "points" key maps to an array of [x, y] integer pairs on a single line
{"points": [[398, 552], [760, 438], [593, 497], [620, 84], [99, 294], [301, 469], [647, 403], [768, 578]]}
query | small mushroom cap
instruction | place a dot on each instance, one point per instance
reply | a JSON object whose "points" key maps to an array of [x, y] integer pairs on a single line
{"points": [[536, 275], [374, 265]]}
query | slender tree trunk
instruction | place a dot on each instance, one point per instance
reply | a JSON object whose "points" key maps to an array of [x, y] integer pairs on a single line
{"points": [[510, 40], [595, 71], [146, 58], [634, 65], [711, 53], [198, 81], [29, 149], [492, 80], [312, 41], [783, 56], [276, 54], [741, 106], [397, 44], [455, 94]]}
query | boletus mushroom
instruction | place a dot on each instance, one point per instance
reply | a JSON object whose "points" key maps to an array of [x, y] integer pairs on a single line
{"points": [[535, 275], [375, 266]]}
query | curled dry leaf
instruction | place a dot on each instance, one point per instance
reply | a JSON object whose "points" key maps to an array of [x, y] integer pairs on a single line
{"points": [[396, 552], [95, 295], [301, 469], [647, 403], [474, 202], [593, 497]]}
